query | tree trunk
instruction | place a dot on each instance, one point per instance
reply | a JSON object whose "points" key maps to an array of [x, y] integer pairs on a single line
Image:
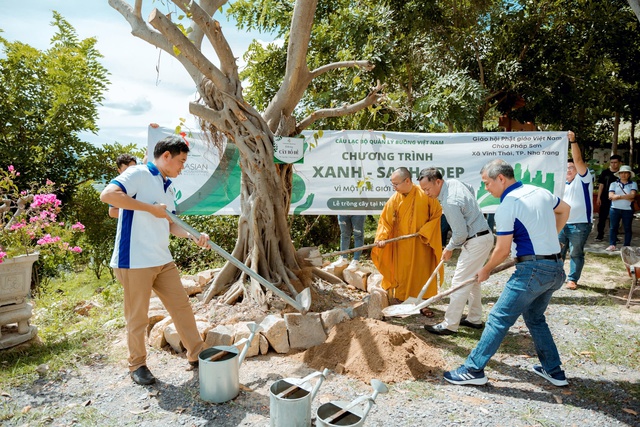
{"points": [[616, 128]]}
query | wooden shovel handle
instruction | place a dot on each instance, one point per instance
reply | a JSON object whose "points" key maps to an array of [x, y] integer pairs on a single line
{"points": [[218, 355], [348, 251]]}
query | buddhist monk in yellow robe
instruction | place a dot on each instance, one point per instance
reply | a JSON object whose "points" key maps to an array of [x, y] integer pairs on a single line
{"points": [[407, 264]]}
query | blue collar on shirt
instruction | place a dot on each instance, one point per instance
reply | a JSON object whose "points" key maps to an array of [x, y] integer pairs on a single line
{"points": [[510, 189], [155, 171]]}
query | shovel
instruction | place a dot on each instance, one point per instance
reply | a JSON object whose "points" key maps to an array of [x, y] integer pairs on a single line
{"points": [[359, 248], [302, 303], [418, 299], [402, 310]]}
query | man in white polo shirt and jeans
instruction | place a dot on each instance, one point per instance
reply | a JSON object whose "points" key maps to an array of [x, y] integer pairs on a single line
{"points": [[527, 222], [141, 258]]}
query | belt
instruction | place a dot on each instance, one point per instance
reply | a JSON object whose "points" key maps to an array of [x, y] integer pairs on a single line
{"points": [[478, 234], [554, 257]]}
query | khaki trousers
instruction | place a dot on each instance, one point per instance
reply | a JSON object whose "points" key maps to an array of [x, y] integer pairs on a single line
{"points": [[165, 282], [471, 259]]}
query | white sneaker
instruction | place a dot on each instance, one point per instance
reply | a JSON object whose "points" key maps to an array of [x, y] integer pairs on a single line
{"points": [[354, 264], [339, 262]]}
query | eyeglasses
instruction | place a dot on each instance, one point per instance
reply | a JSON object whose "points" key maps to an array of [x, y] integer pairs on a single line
{"points": [[394, 185]]}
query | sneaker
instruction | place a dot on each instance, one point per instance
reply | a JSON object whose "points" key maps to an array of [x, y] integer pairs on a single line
{"points": [[353, 265], [557, 379], [610, 248], [464, 375], [438, 329], [339, 262], [465, 322], [572, 285], [142, 376], [599, 239]]}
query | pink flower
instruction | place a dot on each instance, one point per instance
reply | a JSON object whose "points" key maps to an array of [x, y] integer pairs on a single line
{"points": [[76, 249], [78, 226], [10, 168], [48, 239], [2, 256]]}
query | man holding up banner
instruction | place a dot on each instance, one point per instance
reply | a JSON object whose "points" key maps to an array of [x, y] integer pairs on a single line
{"points": [[407, 264]]}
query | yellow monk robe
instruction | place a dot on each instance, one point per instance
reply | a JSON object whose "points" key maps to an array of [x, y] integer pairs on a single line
{"points": [[407, 264]]}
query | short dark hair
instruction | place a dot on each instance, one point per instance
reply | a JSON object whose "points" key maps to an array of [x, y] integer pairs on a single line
{"points": [[497, 167], [173, 144], [124, 160], [431, 174], [617, 157]]}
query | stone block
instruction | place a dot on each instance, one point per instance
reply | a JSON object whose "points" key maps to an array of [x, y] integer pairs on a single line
{"points": [[206, 276], [332, 317], [378, 300], [172, 337], [191, 286], [156, 336], [356, 277], [358, 309], [241, 331], [374, 281], [305, 330], [274, 329], [264, 344], [203, 328], [220, 335]]}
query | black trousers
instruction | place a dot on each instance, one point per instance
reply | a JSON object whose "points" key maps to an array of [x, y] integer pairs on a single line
{"points": [[603, 214]]}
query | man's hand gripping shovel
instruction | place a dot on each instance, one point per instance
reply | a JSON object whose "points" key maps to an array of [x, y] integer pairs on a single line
{"points": [[302, 303], [402, 310]]}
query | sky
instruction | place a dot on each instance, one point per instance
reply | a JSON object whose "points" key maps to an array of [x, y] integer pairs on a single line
{"points": [[137, 95]]}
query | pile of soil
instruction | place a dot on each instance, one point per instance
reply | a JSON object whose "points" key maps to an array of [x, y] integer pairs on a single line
{"points": [[366, 348]]}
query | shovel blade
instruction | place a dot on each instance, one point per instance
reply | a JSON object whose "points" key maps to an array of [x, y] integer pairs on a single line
{"points": [[400, 310]]}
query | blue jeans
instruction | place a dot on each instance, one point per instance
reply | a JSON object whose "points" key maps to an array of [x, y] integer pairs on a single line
{"points": [[573, 238], [527, 292], [351, 224], [615, 215]]}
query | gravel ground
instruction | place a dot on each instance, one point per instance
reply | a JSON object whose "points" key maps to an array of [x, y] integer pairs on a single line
{"points": [[599, 394]]}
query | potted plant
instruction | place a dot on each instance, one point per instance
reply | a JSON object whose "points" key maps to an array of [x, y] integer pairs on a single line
{"points": [[30, 230]]}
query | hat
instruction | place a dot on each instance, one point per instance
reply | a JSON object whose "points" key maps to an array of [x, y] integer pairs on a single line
{"points": [[625, 168]]}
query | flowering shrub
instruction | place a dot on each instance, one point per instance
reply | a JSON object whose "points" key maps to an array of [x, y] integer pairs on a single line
{"points": [[29, 223]]}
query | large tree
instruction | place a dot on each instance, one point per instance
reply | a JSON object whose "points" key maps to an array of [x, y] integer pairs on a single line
{"points": [[183, 30]]}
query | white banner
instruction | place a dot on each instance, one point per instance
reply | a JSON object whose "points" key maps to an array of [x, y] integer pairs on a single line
{"points": [[347, 172]]}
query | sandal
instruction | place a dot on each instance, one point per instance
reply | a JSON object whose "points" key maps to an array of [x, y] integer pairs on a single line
{"points": [[426, 312], [394, 301]]}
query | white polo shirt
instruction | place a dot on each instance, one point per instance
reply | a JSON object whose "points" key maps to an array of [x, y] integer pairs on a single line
{"points": [[579, 195], [526, 212], [142, 240]]}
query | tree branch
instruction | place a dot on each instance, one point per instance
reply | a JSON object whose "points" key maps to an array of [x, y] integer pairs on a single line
{"points": [[296, 78], [365, 65], [213, 31], [187, 50], [373, 97], [140, 29]]}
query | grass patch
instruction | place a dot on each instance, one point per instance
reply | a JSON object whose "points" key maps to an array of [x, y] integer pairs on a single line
{"points": [[66, 337]]}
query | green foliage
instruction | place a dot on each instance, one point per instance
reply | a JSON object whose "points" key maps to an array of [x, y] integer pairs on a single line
{"points": [[222, 229], [46, 99], [315, 230]]}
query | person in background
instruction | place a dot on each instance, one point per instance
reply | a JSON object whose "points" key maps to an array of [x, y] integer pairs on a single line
{"points": [[528, 221], [123, 161], [406, 264], [351, 224], [622, 193], [141, 258], [603, 204], [470, 233], [578, 195]]}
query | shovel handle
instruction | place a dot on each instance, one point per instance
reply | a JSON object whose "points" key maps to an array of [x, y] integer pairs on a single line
{"points": [[348, 251], [218, 355], [426, 285], [441, 295]]}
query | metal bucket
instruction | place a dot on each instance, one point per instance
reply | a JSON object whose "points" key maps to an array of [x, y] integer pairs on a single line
{"points": [[220, 379], [290, 400], [353, 417], [340, 413]]}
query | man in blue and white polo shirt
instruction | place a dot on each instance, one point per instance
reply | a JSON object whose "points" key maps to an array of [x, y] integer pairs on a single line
{"points": [[578, 194], [141, 258], [527, 224]]}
